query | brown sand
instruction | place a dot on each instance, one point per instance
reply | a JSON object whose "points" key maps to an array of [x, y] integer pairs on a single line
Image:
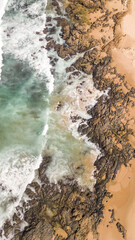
{"points": [[124, 53], [123, 203], [60, 232], [122, 188]]}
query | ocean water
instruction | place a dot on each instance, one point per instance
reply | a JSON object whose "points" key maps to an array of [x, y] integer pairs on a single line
{"points": [[2, 10], [25, 85], [30, 123]]}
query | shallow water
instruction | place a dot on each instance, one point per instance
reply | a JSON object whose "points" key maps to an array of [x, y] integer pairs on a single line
{"points": [[30, 123], [23, 101], [24, 91]]}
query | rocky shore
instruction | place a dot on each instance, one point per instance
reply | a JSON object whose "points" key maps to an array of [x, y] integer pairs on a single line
{"points": [[66, 210]]}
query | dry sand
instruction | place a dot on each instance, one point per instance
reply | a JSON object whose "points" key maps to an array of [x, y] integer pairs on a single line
{"points": [[123, 203], [123, 187], [124, 53]]}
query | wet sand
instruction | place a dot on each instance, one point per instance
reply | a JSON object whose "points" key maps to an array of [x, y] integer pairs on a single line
{"points": [[122, 187]]}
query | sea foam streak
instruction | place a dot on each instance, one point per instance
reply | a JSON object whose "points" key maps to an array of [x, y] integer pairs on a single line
{"points": [[24, 37], [2, 10], [23, 114], [16, 172], [73, 96]]}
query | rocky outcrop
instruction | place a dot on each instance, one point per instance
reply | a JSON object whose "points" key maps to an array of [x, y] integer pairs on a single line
{"points": [[94, 35], [65, 210], [61, 211]]}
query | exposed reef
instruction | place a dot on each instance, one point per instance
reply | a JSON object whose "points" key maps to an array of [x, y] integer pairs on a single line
{"points": [[66, 210]]}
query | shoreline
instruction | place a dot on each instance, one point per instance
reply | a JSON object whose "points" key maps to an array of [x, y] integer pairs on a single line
{"points": [[65, 210], [118, 80], [122, 201]]}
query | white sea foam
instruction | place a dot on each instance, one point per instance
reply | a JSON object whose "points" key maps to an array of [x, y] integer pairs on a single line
{"points": [[24, 38], [18, 28], [56, 35], [45, 130], [66, 146], [21, 226], [16, 171], [2, 10]]}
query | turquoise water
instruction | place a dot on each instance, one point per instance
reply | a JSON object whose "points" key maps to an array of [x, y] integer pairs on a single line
{"points": [[23, 111], [23, 101], [29, 97], [25, 84]]}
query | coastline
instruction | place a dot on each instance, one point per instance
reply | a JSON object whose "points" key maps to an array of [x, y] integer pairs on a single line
{"points": [[119, 77], [67, 211], [122, 202]]}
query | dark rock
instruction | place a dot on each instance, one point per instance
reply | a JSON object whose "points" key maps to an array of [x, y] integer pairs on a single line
{"points": [[67, 205], [121, 229], [43, 230]]}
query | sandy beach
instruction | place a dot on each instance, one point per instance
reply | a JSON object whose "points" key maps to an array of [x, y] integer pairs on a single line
{"points": [[121, 207], [92, 103], [123, 204]]}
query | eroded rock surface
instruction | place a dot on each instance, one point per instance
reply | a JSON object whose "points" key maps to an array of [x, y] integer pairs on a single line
{"points": [[65, 210]]}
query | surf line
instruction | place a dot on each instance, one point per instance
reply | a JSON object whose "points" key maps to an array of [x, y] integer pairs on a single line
{"points": [[3, 4]]}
